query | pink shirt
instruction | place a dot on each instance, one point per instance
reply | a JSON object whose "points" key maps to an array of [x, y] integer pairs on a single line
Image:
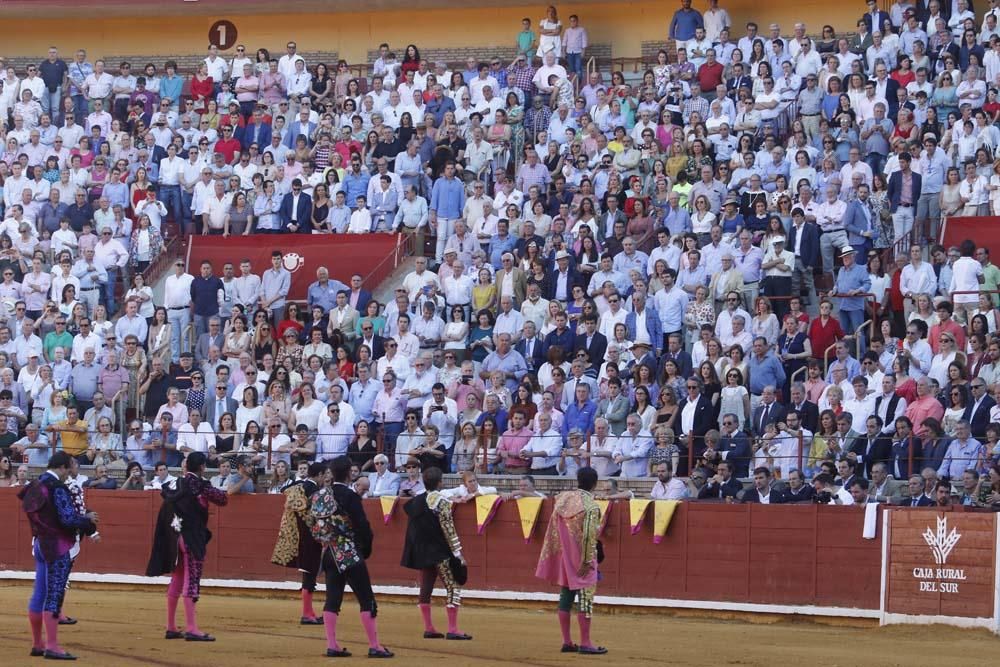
{"points": [[513, 442]]}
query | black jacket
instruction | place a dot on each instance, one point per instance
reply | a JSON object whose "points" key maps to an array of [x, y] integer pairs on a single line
{"points": [[426, 544], [805, 495], [728, 489], [349, 504]]}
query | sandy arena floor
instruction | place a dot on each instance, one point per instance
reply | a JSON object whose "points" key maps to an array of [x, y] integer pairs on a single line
{"points": [[123, 627]]}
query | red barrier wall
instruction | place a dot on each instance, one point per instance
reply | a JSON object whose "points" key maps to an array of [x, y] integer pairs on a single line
{"points": [[981, 229], [343, 254], [790, 555]]}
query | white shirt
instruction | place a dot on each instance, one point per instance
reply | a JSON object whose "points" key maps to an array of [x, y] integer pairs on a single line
{"points": [[177, 291], [636, 446], [198, 440]]}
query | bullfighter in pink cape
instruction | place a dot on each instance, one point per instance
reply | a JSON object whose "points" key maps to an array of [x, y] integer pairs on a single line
{"points": [[570, 555]]}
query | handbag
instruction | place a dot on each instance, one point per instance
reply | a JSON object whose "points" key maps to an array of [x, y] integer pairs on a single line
{"points": [[459, 571]]}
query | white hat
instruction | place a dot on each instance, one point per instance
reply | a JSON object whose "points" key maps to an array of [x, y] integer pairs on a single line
{"points": [[846, 250], [777, 239]]}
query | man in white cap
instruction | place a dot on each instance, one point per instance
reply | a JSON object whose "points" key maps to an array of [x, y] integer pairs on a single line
{"points": [[777, 265], [853, 280]]}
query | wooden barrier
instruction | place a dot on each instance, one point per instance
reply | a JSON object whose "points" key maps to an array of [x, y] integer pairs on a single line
{"points": [[775, 555]]}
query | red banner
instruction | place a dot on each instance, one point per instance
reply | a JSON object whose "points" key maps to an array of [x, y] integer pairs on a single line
{"points": [[981, 229], [342, 254]]}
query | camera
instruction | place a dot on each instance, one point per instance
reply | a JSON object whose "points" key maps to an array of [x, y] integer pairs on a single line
{"points": [[823, 498]]}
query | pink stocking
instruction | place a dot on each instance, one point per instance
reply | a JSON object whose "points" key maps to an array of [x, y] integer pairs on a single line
{"points": [[172, 601], [425, 612], [35, 619], [368, 621], [564, 627], [51, 622], [452, 619], [307, 604], [584, 622], [330, 625], [190, 616]]}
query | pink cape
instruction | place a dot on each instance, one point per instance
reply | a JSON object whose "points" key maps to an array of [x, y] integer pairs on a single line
{"points": [[562, 551]]}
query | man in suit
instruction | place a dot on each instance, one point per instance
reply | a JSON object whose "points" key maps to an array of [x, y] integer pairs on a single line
{"points": [[723, 485], [768, 412], [883, 487], [729, 279], [358, 296], [218, 403], [859, 221], [300, 127], [797, 491], [734, 446], [874, 18], [977, 412], [295, 213], [519, 281], [738, 80], [343, 318], [615, 407], [644, 312], [255, 132], [696, 417], [383, 482], [373, 341], [803, 241], [592, 341], [886, 88], [762, 491], [845, 435], [904, 191], [206, 340], [808, 411], [675, 352], [562, 278], [871, 448], [531, 347], [915, 497], [612, 215]]}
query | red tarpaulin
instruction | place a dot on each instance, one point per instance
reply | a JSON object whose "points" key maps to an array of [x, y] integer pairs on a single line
{"points": [[342, 254], [983, 230]]}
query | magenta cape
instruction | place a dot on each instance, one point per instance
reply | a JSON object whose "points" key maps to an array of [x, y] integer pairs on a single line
{"points": [[570, 539]]}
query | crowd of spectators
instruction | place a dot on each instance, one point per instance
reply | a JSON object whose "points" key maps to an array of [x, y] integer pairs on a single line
{"points": [[705, 273]]}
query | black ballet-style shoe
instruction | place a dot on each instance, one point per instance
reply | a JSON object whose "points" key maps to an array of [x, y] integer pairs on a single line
{"points": [[305, 620], [381, 652], [68, 621], [433, 635], [56, 655], [36, 652], [570, 648], [195, 637], [458, 636], [592, 650], [338, 653], [173, 634]]}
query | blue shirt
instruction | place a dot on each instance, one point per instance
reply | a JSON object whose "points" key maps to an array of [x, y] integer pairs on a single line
{"points": [[764, 372], [498, 247], [205, 295], [932, 171], [684, 23], [670, 304], [448, 198], [579, 416], [854, 278], [362, 398], [512, 362], [325, 297], [500, 417], [677, 221], [354, 185], [171, 87]]}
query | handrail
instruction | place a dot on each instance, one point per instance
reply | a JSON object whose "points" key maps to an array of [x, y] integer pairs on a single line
{"points": [[857, 337], [382, 270], [187, 336], [826, 357], [791, 379]]}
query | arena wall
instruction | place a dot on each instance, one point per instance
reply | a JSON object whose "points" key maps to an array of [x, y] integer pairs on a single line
{"points": [[784, 556]]}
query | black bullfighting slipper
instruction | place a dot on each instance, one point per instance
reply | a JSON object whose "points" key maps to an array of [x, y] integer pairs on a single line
{"points": [[194, 637], [305, 620], [382, 652], [173, 634], [592, 650], [57, 655], [433, 635], [570, 648], [459, 636], [37, 652], [338, 653], [68, 621]]}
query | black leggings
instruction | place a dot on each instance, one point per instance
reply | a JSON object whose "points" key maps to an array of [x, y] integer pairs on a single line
{"points": [[356, 576], [309, 581]]}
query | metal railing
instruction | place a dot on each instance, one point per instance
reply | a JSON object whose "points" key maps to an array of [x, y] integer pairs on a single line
{"points": [[382, 270]]}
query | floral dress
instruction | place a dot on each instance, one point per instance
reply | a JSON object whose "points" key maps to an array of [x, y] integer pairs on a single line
{"points": [[879, 203], [515, 121], [132, 363]]}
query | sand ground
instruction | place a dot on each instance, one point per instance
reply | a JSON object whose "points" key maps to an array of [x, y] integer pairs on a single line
{"points": [[125, 627]]}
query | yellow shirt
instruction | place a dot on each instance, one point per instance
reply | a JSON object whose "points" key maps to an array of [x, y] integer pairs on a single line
{"points": [[73, 443]]}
